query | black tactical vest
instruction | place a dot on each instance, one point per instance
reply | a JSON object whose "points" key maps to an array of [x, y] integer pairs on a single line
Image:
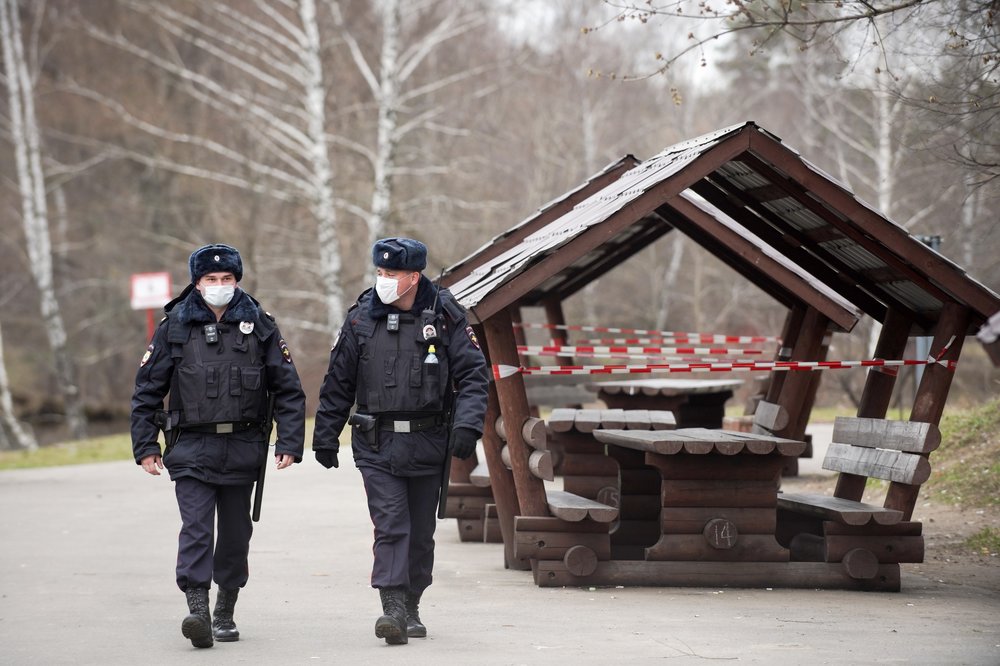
{"points": [[393, 372], [218, 382]]}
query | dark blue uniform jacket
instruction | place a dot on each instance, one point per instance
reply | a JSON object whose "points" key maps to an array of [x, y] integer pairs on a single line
{"points": [[413, 453], [232, 458]]}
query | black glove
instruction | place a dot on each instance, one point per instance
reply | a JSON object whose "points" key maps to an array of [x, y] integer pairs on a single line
{"points": [[464, 443], [327, 458]]}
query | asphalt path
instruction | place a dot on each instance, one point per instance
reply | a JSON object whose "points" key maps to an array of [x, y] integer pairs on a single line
{"points": [[86, 577]]}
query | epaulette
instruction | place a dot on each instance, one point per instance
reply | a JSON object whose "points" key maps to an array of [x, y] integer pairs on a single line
{"points": [[268, 315], [451, 306], [357, 301]]}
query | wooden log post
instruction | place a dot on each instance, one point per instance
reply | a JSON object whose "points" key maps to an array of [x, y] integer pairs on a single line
{"points": [[555, 317], [789, 335], [877, 394], [932, 393], [793, 391], [501, 479], [514, 408], [502, 484]]}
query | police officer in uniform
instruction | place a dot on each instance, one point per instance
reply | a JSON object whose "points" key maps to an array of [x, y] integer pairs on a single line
{"points": [[225, 365], [408, 358]]}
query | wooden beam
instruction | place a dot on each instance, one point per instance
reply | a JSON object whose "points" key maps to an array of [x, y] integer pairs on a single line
{"points": [[514, 409], [553, 211], [908, 249], [928, 406], [501, 480], [600, 231], [794, 390], [885, 253], [752, 216], [877, 394], [767, 273]]}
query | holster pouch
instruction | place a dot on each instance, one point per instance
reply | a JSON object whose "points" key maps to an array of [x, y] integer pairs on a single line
{"points": [[167, 422], [366, 424]]}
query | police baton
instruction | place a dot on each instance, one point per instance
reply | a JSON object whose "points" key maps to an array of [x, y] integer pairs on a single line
{"points": [[445, 476], [258, 493], [446, 465]]}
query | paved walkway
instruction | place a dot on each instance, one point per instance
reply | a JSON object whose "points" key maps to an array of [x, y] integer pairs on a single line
{"points": [[86, 577]]}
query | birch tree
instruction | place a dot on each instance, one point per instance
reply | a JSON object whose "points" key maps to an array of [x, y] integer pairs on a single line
{"points": [[12, 434], [274, 91], [26, 139], [405, 103]]}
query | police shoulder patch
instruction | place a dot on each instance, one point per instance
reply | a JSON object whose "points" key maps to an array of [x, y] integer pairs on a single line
{"points": [[285, 354], [145, 357], [472, 336]]}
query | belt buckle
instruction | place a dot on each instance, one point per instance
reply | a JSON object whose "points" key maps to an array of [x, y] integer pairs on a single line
{"points": [[401, 426], [223, 428]]}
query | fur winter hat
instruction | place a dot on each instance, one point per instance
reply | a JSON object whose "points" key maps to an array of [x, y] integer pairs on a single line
{"points": [[399, 254], [215, 258]]}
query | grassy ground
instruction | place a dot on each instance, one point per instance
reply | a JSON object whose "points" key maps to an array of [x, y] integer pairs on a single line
{"points": [[967, 467]]}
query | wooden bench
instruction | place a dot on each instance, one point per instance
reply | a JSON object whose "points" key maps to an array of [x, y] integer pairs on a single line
{"points": [[870, 540], [574, 534], [585, 468], [469, 502], [696, 403], [768, 418]]}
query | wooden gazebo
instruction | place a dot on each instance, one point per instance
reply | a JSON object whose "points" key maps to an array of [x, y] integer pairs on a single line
{"points": [[781, 223]]}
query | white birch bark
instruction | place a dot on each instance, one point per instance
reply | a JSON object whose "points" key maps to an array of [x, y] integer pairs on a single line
{"points": [[399, 60], [322, 171], [968, 216], [669, 283], [12, 435], [386, 140], [280, 102], [34, 210]]}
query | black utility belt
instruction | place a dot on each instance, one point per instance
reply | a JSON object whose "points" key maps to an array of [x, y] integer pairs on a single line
{"points": [[222, 428], [386, 422]]}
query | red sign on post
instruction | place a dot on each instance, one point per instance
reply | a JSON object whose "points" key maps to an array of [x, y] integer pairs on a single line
{"points": [[150, 291]]}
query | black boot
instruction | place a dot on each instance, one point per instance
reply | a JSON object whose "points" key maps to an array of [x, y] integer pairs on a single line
{"points": [[198, 625], [414, 627], [392, 625], [223, 628]]}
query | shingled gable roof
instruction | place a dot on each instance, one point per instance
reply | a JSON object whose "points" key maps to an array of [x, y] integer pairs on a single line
{"points": [[779, 199], [546, 214]]}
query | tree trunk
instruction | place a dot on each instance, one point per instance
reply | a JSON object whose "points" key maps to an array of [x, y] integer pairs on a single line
{"points": [[12, 435], [668, 284], [34, 209], [387, 139], [322, 172]]}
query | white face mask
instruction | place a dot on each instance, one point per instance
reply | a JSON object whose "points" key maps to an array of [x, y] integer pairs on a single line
{"points": [[386, 289], [218, 295]]}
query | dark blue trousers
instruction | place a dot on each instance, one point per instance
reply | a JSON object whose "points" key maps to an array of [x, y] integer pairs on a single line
{"points": [[404, 512], [199, 560]]}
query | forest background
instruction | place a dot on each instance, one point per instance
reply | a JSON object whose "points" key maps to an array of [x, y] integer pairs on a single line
{"points": [[299, 131]]}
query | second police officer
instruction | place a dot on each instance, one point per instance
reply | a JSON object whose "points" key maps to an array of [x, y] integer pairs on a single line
{"points": [[407, 357]]}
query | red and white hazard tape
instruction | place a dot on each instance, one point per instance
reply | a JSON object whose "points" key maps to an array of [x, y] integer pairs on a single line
{"points": [[663, 358], [569, 350], [700, 338], [504, 371], [678, 339]]}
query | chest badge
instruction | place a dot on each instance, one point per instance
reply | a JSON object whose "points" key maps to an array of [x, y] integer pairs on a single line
{"points": [[429, 331], [246, 327]]}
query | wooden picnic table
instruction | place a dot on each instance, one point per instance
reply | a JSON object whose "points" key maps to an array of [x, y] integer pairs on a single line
{"points": [[696, 403], [712, 496]]}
